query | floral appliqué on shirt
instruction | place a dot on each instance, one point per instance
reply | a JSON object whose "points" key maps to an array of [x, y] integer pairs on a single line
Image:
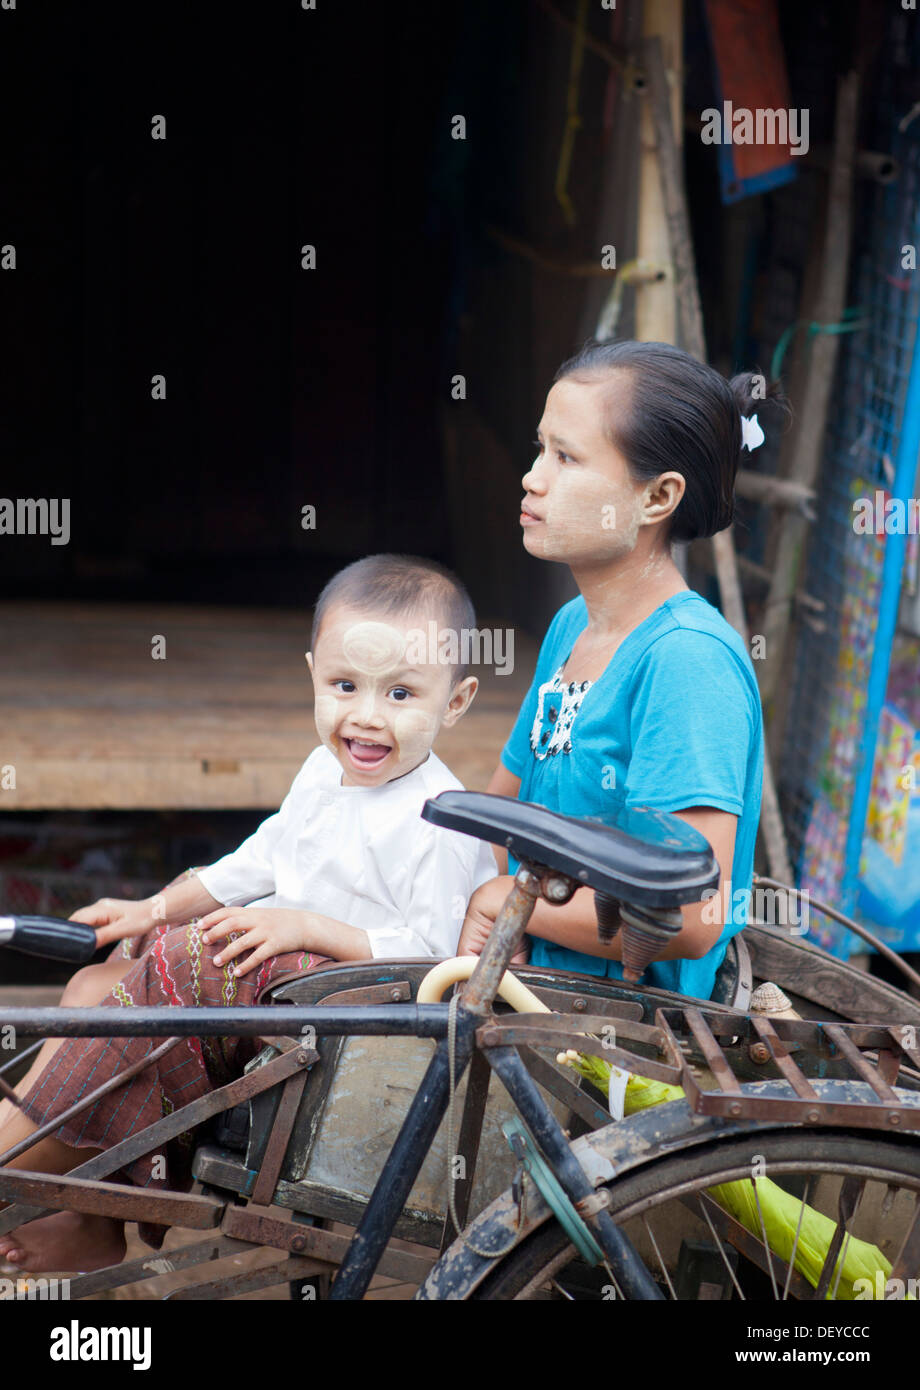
{"points": [[558, 702]]}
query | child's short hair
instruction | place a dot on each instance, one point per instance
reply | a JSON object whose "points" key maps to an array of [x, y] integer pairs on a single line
{"points": [[398, 585]]}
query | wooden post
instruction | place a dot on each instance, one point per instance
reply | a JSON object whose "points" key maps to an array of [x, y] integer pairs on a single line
{"points": [[656, 309], [694, 341]]}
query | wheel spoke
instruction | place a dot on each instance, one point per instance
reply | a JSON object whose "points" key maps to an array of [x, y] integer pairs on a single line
{"points": [[727, 1261], [661, 1262], [768, 1253], [798, 1231]]}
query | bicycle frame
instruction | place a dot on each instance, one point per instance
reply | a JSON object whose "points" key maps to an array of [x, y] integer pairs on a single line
{"points": [[430, 1101]]}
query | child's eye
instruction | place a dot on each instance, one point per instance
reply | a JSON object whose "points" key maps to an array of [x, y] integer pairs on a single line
{"points": [[399, 692], [346, 687]]}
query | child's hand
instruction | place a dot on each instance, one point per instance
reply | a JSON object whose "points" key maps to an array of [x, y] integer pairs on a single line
{"points": [[117, 918], [266, 932], [484, 906]]}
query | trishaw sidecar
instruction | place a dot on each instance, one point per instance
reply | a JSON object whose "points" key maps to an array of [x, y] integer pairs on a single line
{"points": [[812, 1123]]}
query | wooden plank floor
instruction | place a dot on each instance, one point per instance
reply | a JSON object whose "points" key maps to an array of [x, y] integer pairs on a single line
{"points": [[90, 721]]}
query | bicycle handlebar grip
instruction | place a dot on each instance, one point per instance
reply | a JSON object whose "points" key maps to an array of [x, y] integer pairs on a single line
{"points": [[51, 937]]}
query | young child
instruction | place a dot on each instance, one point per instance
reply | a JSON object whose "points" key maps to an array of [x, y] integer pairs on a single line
{"points": [[345, 870]]}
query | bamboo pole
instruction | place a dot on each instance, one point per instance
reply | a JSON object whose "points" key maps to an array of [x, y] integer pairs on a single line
{"points": [[694, 341]]}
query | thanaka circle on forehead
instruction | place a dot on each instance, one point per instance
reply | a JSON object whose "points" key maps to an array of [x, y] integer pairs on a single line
{"points": [[374, 647]]}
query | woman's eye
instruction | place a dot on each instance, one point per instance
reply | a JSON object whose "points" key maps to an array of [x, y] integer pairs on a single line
{"points": [[538, 446], [400, 692]]}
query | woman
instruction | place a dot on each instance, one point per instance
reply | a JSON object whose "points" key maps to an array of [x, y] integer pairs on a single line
{"points": [[643, 695]]}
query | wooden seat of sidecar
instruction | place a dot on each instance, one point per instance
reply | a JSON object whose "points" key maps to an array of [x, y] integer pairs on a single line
{"points": [[644, 856]]}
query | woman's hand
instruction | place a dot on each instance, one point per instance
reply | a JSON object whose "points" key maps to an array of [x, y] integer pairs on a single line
{"points": [[117, 918], [482, 910], [266, 932]]}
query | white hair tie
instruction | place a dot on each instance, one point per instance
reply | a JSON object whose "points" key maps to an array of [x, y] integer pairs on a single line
{"points": [[752, 436]]}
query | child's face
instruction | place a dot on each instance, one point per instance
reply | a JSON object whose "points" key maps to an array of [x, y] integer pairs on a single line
{"points": [[377, 708], [582, 507]]}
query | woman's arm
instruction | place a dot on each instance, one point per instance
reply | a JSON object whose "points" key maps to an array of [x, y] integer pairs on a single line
{"points": [[575, 924], [503, 783]]}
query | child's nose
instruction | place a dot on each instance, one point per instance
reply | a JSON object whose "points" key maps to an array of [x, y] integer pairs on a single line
{"points": [[369, 711]]}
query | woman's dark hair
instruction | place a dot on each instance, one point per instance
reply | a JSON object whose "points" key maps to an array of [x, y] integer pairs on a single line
{"points": [[396, 585], [682, 416]]}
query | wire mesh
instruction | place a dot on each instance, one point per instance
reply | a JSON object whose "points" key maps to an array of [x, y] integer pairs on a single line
{"points": [[826, 729]]}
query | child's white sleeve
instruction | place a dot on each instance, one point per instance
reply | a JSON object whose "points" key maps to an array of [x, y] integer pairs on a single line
{"points": [[248, 873], [442, 880]]}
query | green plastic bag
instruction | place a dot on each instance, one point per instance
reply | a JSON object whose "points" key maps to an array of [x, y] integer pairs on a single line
{"points": [[779, 1212]]}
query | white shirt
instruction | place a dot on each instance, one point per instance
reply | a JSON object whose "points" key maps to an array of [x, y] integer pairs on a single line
{"points": [[361, 855]]}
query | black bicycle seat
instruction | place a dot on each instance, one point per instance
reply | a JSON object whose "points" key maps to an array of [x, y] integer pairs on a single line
{"points": [[646, 857]]}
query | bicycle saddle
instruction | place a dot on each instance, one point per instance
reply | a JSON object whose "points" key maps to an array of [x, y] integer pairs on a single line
{"points": [[647, 857]]}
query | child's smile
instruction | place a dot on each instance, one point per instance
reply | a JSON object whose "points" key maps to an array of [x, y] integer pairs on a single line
{"points": [[376, 710]]}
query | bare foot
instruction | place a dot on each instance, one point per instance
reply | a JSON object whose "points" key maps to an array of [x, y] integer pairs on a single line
{"points": [[68, 1240]]}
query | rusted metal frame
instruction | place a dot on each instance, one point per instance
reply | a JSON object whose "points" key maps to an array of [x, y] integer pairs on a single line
{"points": [[627, 1267], [120, 1200], [22, 1056], [261, 1228], [713, 1054], [748, 1245], [217, 1021], [907, 1263], [564, 1088], [781, 1059], [136, 1145], [851, 1191], [566, 1001], [767, 1109], [278, 1139], [510, 924], [889, 1065], [84, 1104], [474, 1109], [232, 1285], [861, 1065], [910, 1050], [394, 992], [149, 1266], [554, 1033]]}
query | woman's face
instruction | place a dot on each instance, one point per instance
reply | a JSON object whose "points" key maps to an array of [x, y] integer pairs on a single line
{"points": [[581, 505]]}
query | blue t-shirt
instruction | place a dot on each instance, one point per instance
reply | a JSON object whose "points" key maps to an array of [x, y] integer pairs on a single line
{"points": [[674, 721]]}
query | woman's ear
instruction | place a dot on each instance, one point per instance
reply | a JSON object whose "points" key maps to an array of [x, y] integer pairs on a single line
{"points": [[460, 700], [309, 660]]}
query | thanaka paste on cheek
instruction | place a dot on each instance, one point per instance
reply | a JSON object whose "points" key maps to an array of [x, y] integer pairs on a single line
{"points": [[325, 714], [589, 518], [414, 732]]}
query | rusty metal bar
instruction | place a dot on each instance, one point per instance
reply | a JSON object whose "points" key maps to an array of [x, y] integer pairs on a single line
{"points": [[136, 1145], [910, 1049], [148, 1266], [218, 1021], [510, 924], [715, 1057], [79, 1106], [270, 1168], [260, 1228], [565, 1089], [861, 1065], [497, 1033], [118, 1200], [232, 1285], [796, 1078]]}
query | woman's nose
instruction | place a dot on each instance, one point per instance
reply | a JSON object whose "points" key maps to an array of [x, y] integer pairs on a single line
{"points": [[533, 480]]}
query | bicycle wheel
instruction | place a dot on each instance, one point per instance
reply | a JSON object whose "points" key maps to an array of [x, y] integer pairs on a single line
{"points": [[866, 1189]]}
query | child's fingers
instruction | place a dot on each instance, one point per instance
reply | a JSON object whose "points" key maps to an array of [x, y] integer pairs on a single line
{"points": [[218, 930], [246, 941], [259, 954], [218, 915]]}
